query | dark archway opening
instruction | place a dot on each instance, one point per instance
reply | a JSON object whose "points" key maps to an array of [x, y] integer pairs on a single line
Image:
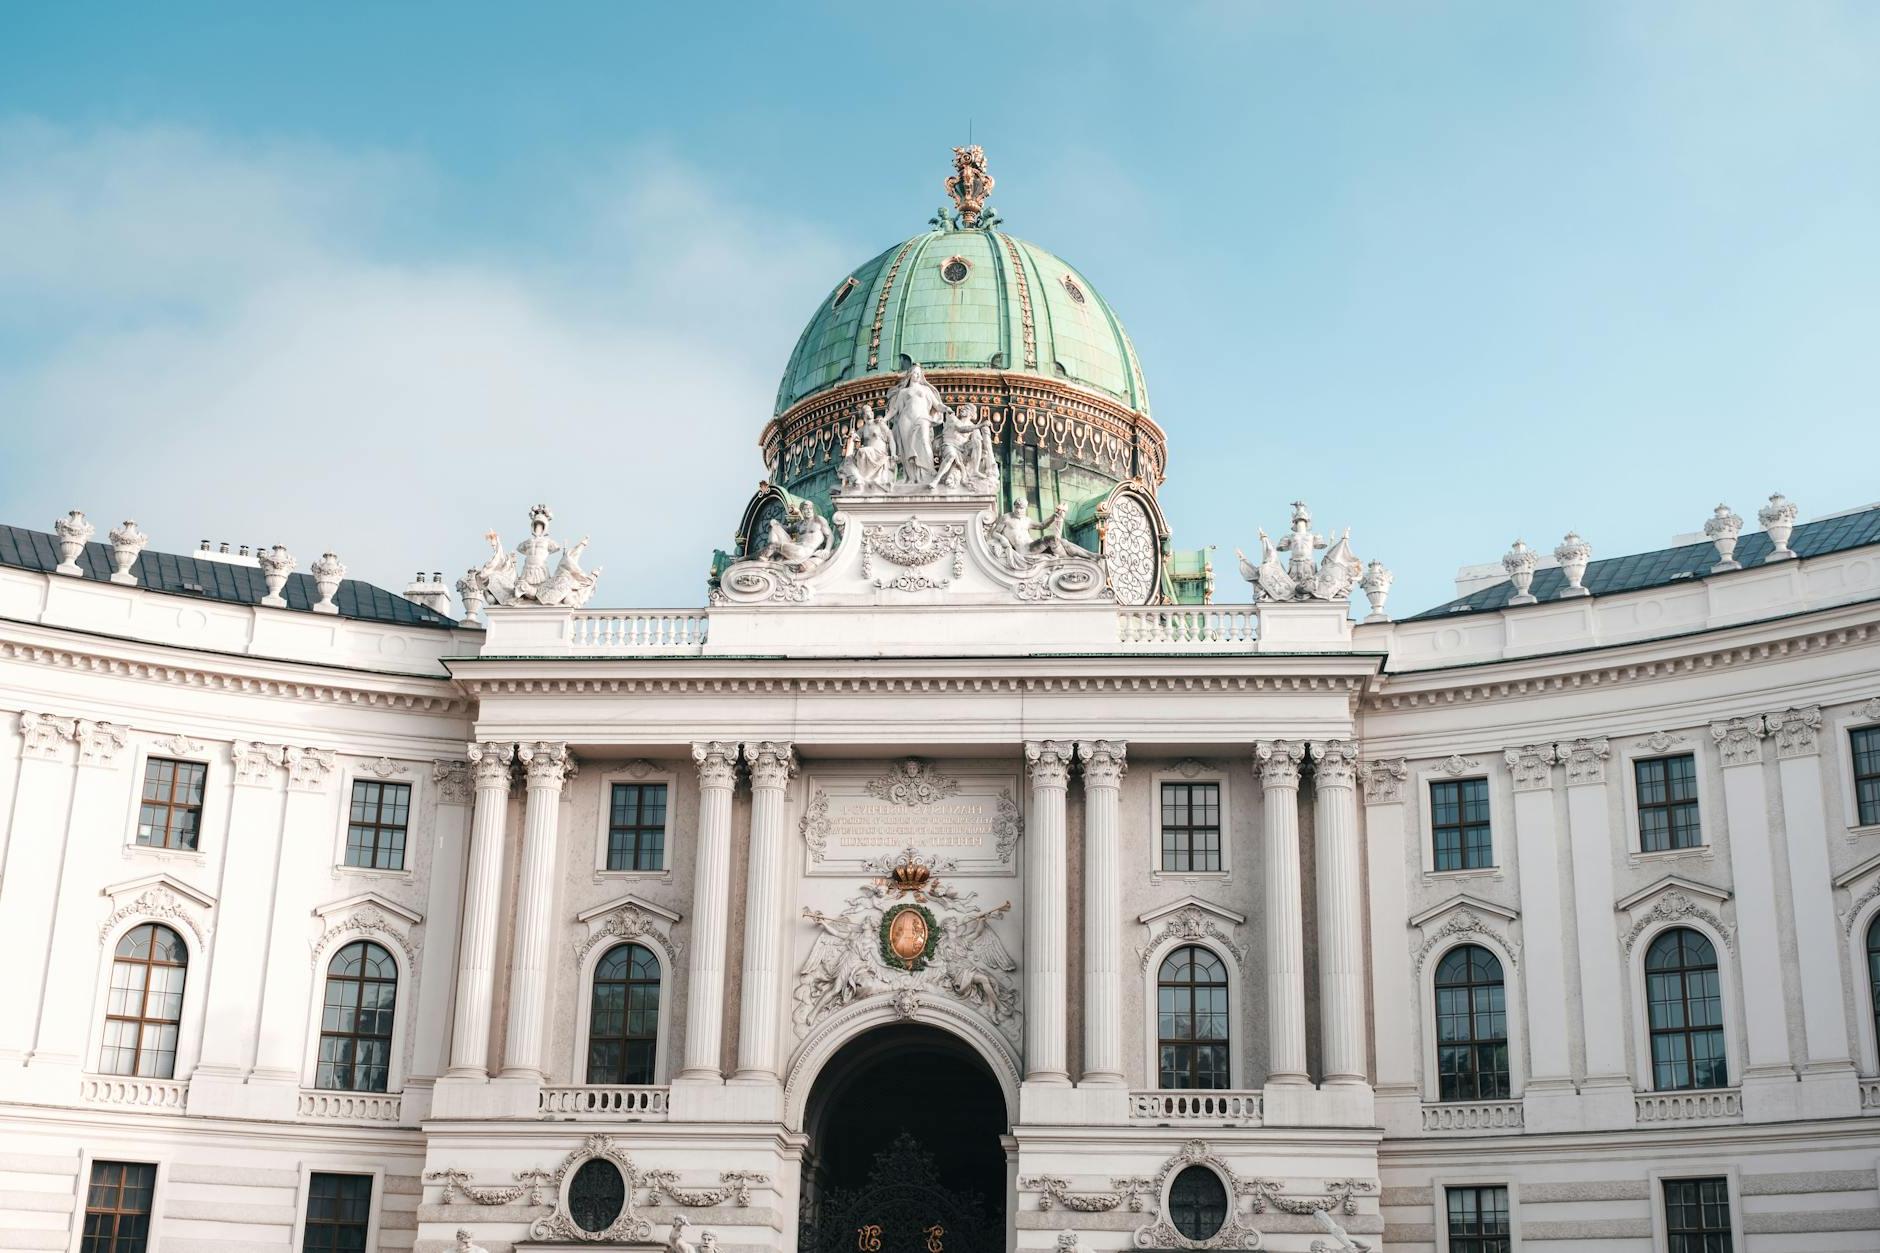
{"points": [[905, 1126]]}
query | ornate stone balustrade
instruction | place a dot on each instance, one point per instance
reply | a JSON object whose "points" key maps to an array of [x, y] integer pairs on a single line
{"points": [[379, 1108], [646, 630], [1226, 629], [168, 1095], [1711, 1105], [647, 1104], [1472, 1116], [1222, 1106], [1870, 1096]]}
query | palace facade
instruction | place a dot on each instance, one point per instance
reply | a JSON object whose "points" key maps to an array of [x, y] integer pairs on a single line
{"points": [[962, 876]]}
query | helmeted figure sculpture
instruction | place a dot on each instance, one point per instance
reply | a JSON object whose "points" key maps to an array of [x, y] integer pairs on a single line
{"points": [[1331, 577], [523, 577]]}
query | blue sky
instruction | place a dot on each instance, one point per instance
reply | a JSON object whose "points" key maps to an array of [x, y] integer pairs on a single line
{"points": [[376, 278]]}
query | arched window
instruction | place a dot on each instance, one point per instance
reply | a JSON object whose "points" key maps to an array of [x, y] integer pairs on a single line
{"points": [[623, 1022], [1684, 998], [1471, 1026], [1873, 972], [1191, 1020], [144, 1013], [356, 1020]]}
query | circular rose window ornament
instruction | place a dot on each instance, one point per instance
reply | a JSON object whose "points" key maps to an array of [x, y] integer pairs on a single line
{"points": [[955, 269]]}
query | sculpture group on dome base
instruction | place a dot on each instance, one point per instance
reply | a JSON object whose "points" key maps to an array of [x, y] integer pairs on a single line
{"points": [[523, 577], [918, 443]]}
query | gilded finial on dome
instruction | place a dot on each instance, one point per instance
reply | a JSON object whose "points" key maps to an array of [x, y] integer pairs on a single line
{"points": [[969, 184]]}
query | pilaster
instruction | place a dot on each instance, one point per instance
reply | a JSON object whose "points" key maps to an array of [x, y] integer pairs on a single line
{"points": [[1549, 1096], [1046, 886], [307, 824], [1393, 994], [1103, 763], [1278, 762], [717, 762], [1606, 1093]]}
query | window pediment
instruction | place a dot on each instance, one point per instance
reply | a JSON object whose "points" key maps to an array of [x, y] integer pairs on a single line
{"points": [[1863, 884], [629, 917], [1462, 917], [159, 897], [1190, 918], [368, 913], [1675, 899]]}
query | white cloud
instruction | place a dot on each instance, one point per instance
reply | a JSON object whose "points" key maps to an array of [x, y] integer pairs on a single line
{"points": [[236, 353]]}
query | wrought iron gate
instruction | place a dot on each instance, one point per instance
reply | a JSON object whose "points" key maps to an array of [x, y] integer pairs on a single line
{"points": [[903, 1208]]}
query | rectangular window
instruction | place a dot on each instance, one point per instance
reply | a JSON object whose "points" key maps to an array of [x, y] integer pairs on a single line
{"points": [[1191, 826], [170, 815], [1667, 803], [1697, 1215], [1459, 825], [375, 831], [636, 827], [1867, 775], [117, 1207], [338, 1208], [1478, 1220]]}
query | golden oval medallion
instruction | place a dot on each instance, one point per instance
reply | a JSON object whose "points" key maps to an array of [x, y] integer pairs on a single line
{"points": [[907, 936]]}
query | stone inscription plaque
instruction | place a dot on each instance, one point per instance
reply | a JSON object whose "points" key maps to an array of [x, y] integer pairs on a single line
{"points": [[969, 818]]}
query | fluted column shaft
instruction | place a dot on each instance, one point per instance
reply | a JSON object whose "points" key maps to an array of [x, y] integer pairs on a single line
{"points": [[711, 903], [547, 765], [1103, 910], [476, 950], [772, 763], [1285, 923], [1341, 920], [1046, 884]]}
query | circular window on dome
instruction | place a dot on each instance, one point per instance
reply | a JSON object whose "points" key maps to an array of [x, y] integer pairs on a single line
{"points": [[842, 292], [1197, 1203], [596, 1195], [955, 269], [1076, 292]]}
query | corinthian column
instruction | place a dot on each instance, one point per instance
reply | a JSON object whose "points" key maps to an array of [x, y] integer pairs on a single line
{"points": [[476, 951], [711, 901], [1341, 926], [1103, 910], [1046, 1057], [772, 763], [1285, 925], [547, 765]]}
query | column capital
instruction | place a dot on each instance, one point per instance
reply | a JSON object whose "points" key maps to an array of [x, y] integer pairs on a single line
{"points": [[772, 762], [717, 762], [1797, 731], [1739, 740], [1335, 763], [308, 769], [1104, 761], [1384, 779], [256, 763], [1585, 759], [453, 781], [489, 763], [1049, 762], [99, 742], [1279, 762], [1532, 766], [548, 762]]}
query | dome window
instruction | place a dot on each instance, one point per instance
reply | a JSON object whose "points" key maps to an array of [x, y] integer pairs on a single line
{"points": [[955, 269], [1070, 285], [842, 292]]}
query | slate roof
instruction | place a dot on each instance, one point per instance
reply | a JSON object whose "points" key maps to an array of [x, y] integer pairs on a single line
{"points": [[1670, 565], [215, 580]]}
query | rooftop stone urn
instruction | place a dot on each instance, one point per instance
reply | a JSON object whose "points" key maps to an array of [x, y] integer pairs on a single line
{"points": [[1722, 530], [1519, 562], [126, 543], [470, 591], [1376, 584], [327, 572], [276, 564], [73, 534], [1778, 518], [1573, 554]]}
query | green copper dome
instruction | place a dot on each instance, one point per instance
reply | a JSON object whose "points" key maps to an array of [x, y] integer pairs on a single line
{"points": [[966, 298]]}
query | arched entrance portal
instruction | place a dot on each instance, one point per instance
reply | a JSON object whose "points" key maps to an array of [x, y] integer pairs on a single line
{"points": [[905, 1152]]}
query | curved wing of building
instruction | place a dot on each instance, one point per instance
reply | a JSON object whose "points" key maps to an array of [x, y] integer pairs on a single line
{"points": [[961, 876]]}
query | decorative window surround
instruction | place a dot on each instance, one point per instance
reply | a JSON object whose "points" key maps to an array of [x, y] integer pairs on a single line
{"points": [[626, 919], [1190, 771], [337, 1166], [1866, 714], [1661, 1239], [1709, 798], [1439, 1201], [1468, 919], [177, 747], [1192, 920], [1500, 816], [158, 898], [1862, 884], [633, 772], [1674, 899], [1475, 919], [417, 826], [367, 916], [1677, 902]]}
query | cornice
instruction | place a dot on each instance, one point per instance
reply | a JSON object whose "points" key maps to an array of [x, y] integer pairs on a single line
{"points": [[604, 685], [196, 670]]}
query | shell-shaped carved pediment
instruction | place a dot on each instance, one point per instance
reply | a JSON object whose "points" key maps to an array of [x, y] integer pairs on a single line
{"points": [[159, 898], [367, 916]]}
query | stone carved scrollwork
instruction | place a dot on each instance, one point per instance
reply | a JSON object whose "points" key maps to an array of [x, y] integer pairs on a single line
{"points": [[453, 781], [631, 922], [1456, 764], [180, 745], [1797, 731], [1532, 766], [1851, 914], [1335, 762], [1739, 740], [1278, 761], [1054, 1191], [254, 763], [1341, 1195], [457, 1183], [156, 903], [1466, 923], [308, 769], [1235, 1233], [1676, 906], [912, 782], [369, 919], [384, 768], [41, 734], [733, 1186], [547, 763], [99, 742], [630, 1225], [1049, 761], [490, 763], [1585, 759], [1191, 922], [1384, 780], [913, 546]]}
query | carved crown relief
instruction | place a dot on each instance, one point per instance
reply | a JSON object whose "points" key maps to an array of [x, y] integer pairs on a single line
{"points": [[159, 898], [1190, 920], [632, 919]]}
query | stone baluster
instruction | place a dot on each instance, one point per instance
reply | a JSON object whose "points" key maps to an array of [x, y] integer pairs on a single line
{"points": [[1341, 911], [1046, 1054], [772, 763], [1285, 925], [547, 765], [1103, 910], [711, 902], [476, 960]]}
